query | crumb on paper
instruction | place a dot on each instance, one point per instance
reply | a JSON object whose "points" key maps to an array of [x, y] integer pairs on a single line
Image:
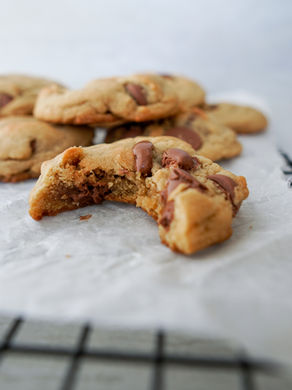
{"points": [[68, 256], [250, 226], [85, 217]]}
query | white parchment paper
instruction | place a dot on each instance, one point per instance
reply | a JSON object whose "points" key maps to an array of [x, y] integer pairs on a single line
{"points": [[112, 268]]}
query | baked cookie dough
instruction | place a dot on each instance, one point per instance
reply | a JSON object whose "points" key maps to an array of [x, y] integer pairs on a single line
{"points": [[26, 142], [190, 93], [192, 199], [242, 119], [18, 93], [207, 137], [109, 102]]}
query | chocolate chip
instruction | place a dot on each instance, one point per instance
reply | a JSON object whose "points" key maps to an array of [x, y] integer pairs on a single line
{"points": [[33, 145], [177, 157], [5, 98], [226, 183], [167, 214], [137, 92], [143, 157], [186, 134], [178, 176]]}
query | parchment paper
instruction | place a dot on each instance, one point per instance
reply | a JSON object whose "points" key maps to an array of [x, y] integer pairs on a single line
{"points": [[112, 269]]}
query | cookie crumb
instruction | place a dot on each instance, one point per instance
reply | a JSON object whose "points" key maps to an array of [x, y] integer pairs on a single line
{"points": [[85, 217], [68, 256], [250, 226]]}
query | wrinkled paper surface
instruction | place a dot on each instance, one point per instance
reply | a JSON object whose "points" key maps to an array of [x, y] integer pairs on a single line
{"points": [[112, 268]]}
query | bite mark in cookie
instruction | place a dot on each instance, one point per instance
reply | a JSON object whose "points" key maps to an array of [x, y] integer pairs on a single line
{"points": [[191, 214]]}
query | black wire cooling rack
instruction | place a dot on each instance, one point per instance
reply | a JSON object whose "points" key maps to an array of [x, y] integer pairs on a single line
{"points": [[287, 168], [123, 359]]}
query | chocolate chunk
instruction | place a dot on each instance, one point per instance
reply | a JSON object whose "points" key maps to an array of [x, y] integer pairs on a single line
{"points": [[179, 176], [143, 157], [226, 183], [33, 145], [177, 157], [137, 92], [167, 214], [5, 98], [186, 134]]}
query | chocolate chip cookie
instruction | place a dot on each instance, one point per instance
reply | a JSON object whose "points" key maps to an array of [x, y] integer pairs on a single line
{"points": [[109, 102], [242, 119], [26, 142], [18, 93], [192, 199], [207, 137], [190, 93]]}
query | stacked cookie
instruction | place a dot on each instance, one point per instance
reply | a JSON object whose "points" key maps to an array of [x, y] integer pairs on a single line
{"points": [[161, 138], [26, 142]]}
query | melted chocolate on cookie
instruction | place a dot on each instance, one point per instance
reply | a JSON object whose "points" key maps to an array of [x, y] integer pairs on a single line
{"points": [[186, 134], [179, 158], [137, 92], [143, 157]]}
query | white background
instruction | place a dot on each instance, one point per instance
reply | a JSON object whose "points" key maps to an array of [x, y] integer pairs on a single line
{"points": [[226, 44], [237, 48]]}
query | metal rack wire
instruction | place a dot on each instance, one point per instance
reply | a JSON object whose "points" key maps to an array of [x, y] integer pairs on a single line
{"points": [[158, 360], [287, 168]]}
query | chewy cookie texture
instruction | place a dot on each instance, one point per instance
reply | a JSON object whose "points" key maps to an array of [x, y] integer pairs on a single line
{"points": [[207, 137], [26, 142], [242, 119], [18, 93], [192, 199], [109, 102]]}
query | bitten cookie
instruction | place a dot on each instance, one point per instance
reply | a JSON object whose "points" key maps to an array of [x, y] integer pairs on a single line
{"points": [[242, 119], [190, 93], [191, 198], [108, 102], [18, 93], [207, 137], [26, 142]]}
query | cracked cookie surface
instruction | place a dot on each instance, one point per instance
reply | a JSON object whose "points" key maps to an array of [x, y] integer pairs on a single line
{"points": [[242, 119], [18, 93], [192, 199], [207, 137], [109, 102], [26, 142]]}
